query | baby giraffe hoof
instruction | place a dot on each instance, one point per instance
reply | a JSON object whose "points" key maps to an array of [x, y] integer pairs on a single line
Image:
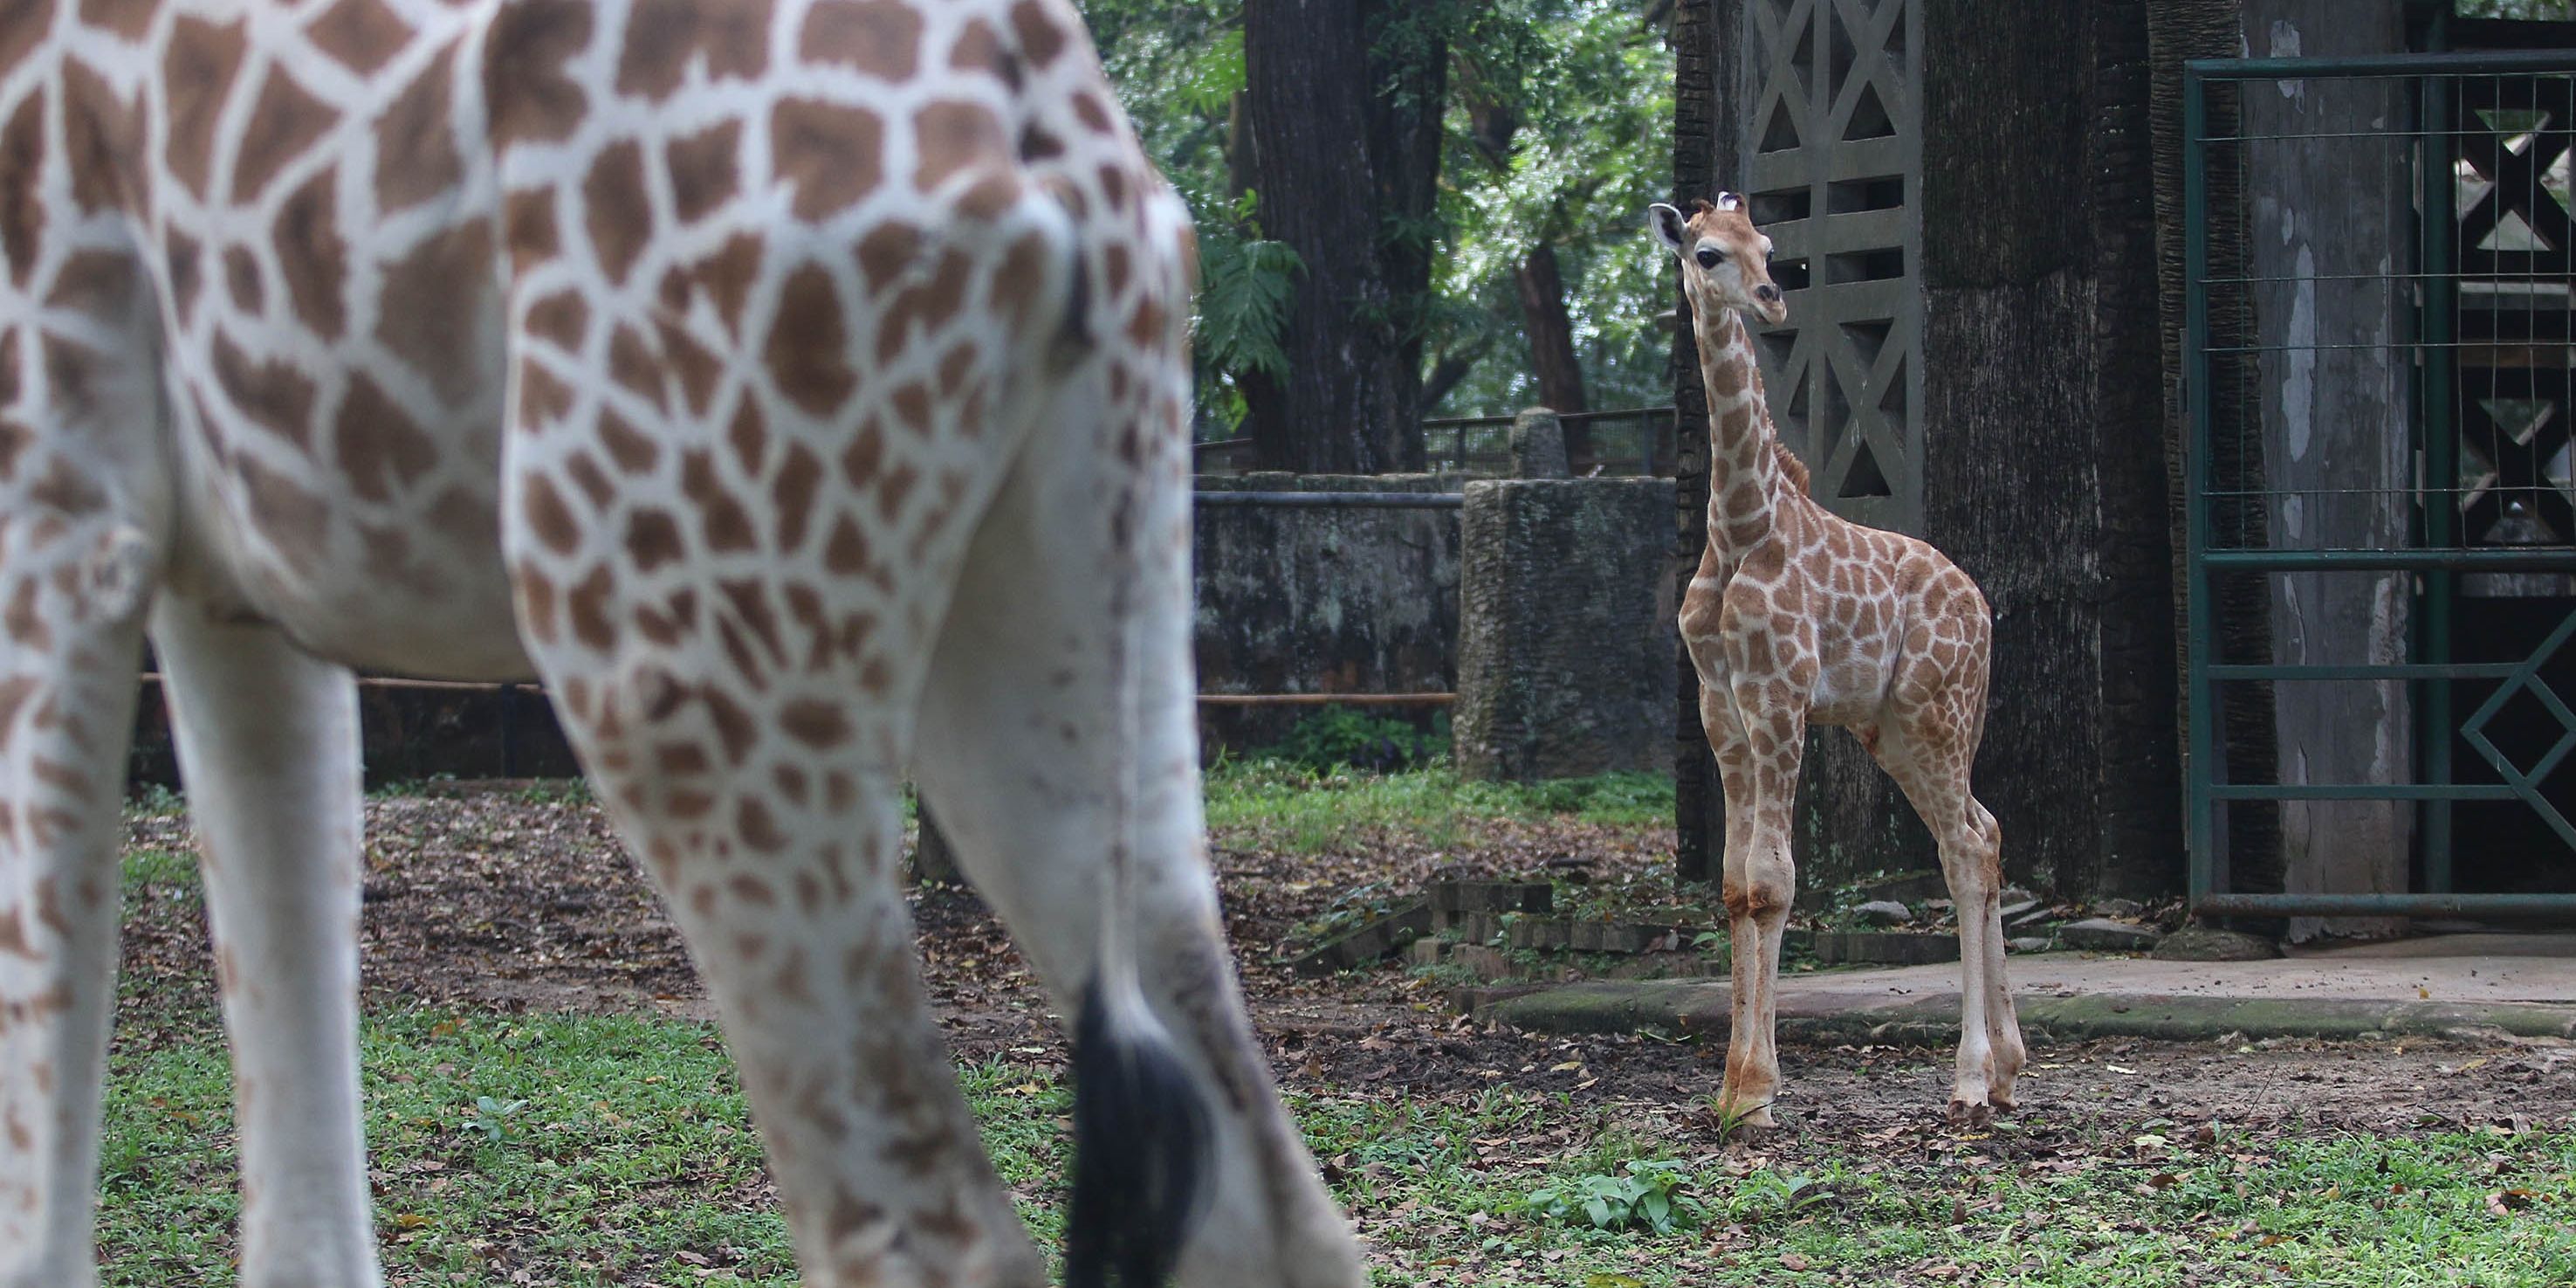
{"points": [[1972, 1115], [1745, 1124]]}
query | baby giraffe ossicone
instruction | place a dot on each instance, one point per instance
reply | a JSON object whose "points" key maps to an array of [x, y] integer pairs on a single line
{"points": [[1800, 617]]}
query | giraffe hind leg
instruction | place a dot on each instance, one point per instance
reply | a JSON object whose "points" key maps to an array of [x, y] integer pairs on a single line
{"points": [[268, 746]]}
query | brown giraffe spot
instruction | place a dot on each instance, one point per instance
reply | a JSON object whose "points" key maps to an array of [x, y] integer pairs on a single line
{"points": [[25, 621], [879, 37], [1040, 38], [296, 520], [932, 303], [631, 364], [979, 48], [284, 123], [1113, 187], [9, 375], [275, 395], [379, 449], [699, 370], [528, 225], [955, 369], [586, 607], [845, 552], [22, 24], [791, 495], [442, 284], [653, 539], [1088, 109], [1036, 144], [543, 399], [661, 35], [583, 468], [808, 350], [241, 273], [759, 830], [833, 154], [130, 19], [361, 34], [791, 783], [627, 447], [416, 139], [102, 139], [311, 255], [526, 48], [749, 438], [66, 492], [621, 216], [820, 725], [893, 487], [750, 602], [1725, 377], [1121, 266], [951, 135], [1146, 327], [549, 516], [887, 250], [727, 275], [704, 170], [681, 759], [561, 319], [727, 526], [865, 454], [22, 208], [1017, 278], [97, 282], [912, 406], [734, 727], [72, 369]]}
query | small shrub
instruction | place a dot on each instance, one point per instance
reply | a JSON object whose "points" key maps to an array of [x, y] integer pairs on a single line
{"points": [[492, 1118], [1337, 736], [1643, 1193]]}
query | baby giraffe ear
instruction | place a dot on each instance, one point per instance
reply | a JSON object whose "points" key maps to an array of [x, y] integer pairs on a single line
{"points": [[1669, 226]]}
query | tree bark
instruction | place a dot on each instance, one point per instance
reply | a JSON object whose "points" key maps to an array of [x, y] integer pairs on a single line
{"points": [[1551, 337], [1345, 157]]}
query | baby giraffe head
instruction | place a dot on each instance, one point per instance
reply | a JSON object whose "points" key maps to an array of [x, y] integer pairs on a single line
{"points": [[1726, 261]]}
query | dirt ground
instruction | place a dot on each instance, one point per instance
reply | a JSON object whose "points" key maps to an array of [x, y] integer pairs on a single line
{"points": [[487, 899]]}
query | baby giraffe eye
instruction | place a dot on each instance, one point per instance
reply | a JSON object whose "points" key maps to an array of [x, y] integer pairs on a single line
{"points": [[1710, 256]]}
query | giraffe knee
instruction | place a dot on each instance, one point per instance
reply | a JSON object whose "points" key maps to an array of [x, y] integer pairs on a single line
{"points": [[1764, 888]]}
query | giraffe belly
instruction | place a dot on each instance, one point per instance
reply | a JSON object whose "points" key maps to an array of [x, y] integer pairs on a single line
{"points": [[351, 501]]}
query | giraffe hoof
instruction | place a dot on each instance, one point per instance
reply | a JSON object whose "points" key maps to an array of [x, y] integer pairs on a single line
{"points": [[1973, 1115]]}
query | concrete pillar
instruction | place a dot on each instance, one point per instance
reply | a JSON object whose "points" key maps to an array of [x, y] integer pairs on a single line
{"points": [[1565, 631], [1538, 445]]}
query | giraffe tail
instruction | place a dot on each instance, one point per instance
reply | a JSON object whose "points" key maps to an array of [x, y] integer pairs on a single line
{"points": [[1141, 1145]]}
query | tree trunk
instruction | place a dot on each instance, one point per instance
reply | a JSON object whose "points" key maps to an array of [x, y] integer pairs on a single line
{"points": [[1551, 337], [1345, 155]]}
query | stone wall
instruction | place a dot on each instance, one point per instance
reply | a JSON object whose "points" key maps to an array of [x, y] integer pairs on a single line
{"points": [[1306, 600], [1565, 654]]}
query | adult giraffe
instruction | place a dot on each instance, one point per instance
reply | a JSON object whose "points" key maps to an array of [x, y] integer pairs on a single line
{"points": [[1800, 617], [796, 387]]}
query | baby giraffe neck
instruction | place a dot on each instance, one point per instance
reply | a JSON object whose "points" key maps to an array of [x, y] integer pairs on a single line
{"points": [[1743, 459]]}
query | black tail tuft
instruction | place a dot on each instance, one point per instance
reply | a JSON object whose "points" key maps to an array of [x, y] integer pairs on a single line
{"points": [[1141, 1142]]}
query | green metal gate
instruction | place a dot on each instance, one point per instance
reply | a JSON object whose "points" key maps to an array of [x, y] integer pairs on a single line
{"points": [[2461, 503]]}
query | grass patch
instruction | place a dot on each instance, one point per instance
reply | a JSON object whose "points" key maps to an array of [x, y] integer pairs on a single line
{"points": [[631, 1160], [1307, 810]]}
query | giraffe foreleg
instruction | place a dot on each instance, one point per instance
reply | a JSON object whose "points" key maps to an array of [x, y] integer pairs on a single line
{"points": [[1760, 883], [268, 745], [73, 579]]}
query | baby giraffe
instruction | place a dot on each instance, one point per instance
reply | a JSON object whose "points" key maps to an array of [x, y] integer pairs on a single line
{"points": [[1797, 617]]}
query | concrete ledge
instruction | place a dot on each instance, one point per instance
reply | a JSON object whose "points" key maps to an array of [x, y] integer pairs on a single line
{"points": [[1825, 1014]]}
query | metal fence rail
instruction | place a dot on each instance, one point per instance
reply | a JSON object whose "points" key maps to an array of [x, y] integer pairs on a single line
{"points": [[2452, 516]]}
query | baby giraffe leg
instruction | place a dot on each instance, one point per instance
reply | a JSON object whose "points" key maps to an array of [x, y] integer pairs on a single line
{"points": [[1933, 772], [1759, 883]]}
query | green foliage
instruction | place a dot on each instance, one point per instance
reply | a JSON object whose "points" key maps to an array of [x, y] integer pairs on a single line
{"points": [[1590, 87], [492, 1118], [2543, 10], [1642, 1193], [1337, 737]]}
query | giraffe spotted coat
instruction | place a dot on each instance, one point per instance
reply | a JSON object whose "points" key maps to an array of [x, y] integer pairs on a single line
{"points": [[795, 386], [1799, 617]]}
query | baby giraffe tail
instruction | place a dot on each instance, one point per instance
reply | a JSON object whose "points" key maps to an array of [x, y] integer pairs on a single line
{"points": [[1141, 1142]]}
